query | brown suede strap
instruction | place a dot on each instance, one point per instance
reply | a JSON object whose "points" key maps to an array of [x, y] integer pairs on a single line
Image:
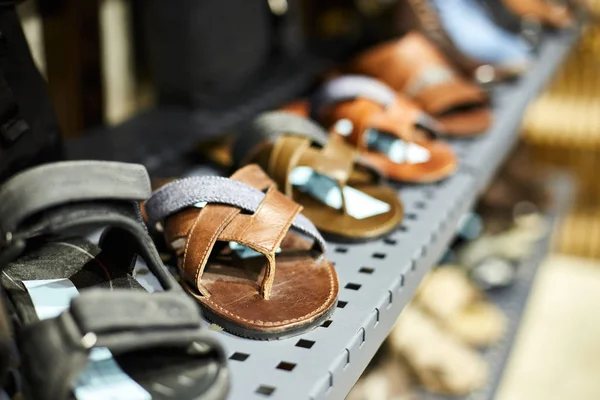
{"points": [[261, 231]]}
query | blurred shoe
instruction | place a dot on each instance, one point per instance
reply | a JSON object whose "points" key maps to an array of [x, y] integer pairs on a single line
{"points": [[449, 296], [442, 363], [551, 13], [480, 38]]}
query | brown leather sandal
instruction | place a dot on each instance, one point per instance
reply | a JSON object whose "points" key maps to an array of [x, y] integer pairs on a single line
{"points": [[388, 130], [219, 228], [345, 198], [419, 15], [549, 13], [413, 66]]}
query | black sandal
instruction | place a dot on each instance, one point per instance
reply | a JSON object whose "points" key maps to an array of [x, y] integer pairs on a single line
{"points": [[43, 213]]}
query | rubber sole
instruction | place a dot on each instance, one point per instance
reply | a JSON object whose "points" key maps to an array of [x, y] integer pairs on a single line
{"points": [[237, 330]]}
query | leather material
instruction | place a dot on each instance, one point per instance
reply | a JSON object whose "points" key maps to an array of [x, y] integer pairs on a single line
{"points": [[549, 13], [413, 64], [337, 161], [275, 293], [399, 120], [481, 38], [279, 142], [422, 16]]}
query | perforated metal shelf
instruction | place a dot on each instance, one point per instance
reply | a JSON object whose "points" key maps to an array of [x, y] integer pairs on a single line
{"points": [[512, 300]]}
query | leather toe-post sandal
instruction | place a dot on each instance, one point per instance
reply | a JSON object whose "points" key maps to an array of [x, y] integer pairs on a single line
{"points": [[85, 326], [345, 198], [414, 67], [246, 254], [388, 131]]}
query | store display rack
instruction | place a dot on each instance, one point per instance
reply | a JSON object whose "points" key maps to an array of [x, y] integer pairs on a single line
{"points": [[512, 300], [377, 279]]}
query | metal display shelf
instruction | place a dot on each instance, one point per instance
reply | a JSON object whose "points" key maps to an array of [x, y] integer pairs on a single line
{"points": [[377, 279], [512, 300]]}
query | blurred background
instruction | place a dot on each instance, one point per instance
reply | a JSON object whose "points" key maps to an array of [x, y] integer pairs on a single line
{"points": [[108, 62]]}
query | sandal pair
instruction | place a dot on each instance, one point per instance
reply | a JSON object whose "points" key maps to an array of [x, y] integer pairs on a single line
{"points": [[412, 66], [389, 131], [138, 345], [481, 50]]}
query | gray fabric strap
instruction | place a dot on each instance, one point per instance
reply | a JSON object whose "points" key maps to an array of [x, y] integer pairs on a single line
{"points": [[56, 184], [184, 193], [349, 87], [269, 126]]}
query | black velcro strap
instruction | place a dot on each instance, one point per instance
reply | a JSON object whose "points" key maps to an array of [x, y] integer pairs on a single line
{"points": [[126, 320], [55, 351], [51, 185], [116, 311]]}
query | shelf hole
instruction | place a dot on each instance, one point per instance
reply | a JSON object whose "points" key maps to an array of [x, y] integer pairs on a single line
{"points": [[389, 241], [402, 281], [347, 357], [363, 336], [403, 228], [326, 323], [305, 344], [265, 390], [366, 270], [430, 194], [379, 256], [420, 205], [239, 356], [286, 366], [341, 250], [352, 286], [413, 265], [411, 216], [341, 304], [390, 299]]}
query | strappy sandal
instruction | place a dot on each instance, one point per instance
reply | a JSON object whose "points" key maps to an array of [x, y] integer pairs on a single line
{"points": [[344, 198], [220, 227], [389, 131], [549, 13], [529, 28], [422, 16], [42, 211], [413, 66]]}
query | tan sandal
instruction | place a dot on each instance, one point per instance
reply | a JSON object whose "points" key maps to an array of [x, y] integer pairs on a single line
{"points": [[237, 256], [413, 66], [288, 146]]}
